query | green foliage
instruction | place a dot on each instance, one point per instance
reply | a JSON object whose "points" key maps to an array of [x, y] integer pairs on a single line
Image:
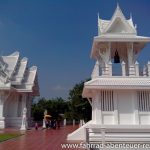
{"points": [[79, 107], [75, 108], [54, 107]]}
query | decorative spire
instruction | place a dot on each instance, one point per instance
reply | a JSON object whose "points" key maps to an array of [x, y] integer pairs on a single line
{"points": [[130, 15], [118, 7], [98, 21], [98, 15]]}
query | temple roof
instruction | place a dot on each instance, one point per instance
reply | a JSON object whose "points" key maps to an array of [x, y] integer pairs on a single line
{"points": [[119, 83], [117, 29], [15, 74], [117, 24]]}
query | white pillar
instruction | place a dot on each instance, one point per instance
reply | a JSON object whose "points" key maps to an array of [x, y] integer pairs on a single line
{"points": [[148, 68], [65, 122], [132, 70], [131, 56], [97, 107], [123, 65], [80, 125], [2, 118], [137, 69], [44, 125], [116, 121], [73, 122], [93, 110], [110, 68], [144, 71], [3, 98], [136, 112]]}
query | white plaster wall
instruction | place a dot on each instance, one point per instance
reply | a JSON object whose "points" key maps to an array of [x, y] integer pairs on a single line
{"points": [[108, 118], [125, 107], [144, 118], [12, 106]]}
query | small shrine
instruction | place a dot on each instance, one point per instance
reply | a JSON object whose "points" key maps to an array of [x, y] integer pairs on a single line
{"points": [[120, 102]]}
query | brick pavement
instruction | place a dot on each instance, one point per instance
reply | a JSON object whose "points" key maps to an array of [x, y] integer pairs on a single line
{"points": [[39, 140]]}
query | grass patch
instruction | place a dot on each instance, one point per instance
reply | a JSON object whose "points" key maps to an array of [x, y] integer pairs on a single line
{"points": [[8, 136]]}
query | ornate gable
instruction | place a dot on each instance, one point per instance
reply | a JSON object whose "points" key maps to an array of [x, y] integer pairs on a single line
{"points": [[118, 24]]}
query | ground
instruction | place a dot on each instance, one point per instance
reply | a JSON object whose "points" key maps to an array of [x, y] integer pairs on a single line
{"points": [[39, 140]]}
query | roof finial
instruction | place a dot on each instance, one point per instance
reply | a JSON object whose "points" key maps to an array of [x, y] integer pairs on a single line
{"points": [[98, 15], [118, 5], [130, 15]]}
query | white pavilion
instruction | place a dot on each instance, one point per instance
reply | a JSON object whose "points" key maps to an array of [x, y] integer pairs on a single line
{"points": [[120, 102], [18, 86]]}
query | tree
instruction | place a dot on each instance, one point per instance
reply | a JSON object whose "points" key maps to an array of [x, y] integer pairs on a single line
{"points": [[74, 108], [54, 107], [79, 107]]}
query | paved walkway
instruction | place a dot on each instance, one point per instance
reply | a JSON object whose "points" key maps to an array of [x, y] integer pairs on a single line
{"points": [[39, 140]]}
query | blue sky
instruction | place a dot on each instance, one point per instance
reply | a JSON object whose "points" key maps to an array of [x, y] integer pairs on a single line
{"points": [[56, 35]]}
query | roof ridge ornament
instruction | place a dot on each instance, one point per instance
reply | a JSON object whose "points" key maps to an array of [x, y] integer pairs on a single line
{"points": [[98, 15], [130, 15], [118, 7]]}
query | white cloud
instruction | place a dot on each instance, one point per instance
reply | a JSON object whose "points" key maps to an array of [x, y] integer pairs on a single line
{"points": [[59, 88]]}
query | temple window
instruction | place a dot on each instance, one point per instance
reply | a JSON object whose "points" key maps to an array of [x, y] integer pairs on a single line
{"points": [[143, 101], [107, 100]]}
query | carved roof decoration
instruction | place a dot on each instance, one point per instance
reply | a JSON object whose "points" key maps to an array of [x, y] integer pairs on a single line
{"points": [[118, 24], [15, 74]]}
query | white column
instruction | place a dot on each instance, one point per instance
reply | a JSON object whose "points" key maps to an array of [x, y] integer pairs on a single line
{"points": [[110, 68], [73, 122], [136, 112], [144, 71], [123, 65], [116, 121], [148, 68], [97, 105], [130, 54], [2, 118], [65, 122], [137, 69], [93, 110], [3, 97], [131, 59], [24, 104]]}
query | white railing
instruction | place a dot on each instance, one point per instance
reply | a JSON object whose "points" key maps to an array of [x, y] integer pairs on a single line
{"points": [[103, 135], [108, 70]]}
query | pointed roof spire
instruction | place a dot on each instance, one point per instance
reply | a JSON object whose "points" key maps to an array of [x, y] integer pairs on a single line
{"points": [[130, 15], [118, 7], [98, 15]]}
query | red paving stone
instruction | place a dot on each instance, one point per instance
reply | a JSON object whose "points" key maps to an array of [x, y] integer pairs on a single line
{"points": [[40, 140]]}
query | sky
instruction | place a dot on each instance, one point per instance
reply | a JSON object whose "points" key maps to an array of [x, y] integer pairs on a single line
{"points": [[57, 35]]}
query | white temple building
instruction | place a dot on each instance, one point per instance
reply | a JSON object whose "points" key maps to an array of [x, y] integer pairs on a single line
{"points": [[18, 86], [120, 102]]}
